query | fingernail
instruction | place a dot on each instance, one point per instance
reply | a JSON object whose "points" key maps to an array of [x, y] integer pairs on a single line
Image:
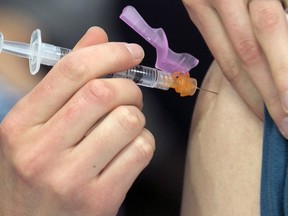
{"points": [[285, 101], [284, 128], [136, 51]]}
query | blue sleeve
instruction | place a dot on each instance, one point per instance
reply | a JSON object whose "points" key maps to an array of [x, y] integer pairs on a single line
{"points": [[274, 180]]}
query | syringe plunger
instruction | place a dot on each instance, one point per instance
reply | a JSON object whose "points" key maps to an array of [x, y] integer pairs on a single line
{"points": [[37, 52]]}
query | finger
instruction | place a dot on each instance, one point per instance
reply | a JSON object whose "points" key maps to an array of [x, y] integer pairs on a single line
{"points": [[87, 107], [271, 29], [236, 21], [109, 137], [124, 169], [211, 27], [94, 35], [254, 70], [69, 75], [239, 28]]}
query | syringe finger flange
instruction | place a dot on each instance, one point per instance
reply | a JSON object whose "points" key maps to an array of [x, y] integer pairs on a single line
{"points": [[35, 46], [1, 41]]}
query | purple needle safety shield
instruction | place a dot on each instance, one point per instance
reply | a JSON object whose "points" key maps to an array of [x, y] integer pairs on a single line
{"points": [[167, 60]]}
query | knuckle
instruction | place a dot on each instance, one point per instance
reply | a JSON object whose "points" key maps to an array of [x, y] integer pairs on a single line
{"points": [[231, 70], [99, 90], [11, 133], [8, 130], [27, 166], [60, 188], [74, 68], [130, 118], [273, 100], [248, 51], [134, 92], [266, 19], [145, 146], [149, 137]]}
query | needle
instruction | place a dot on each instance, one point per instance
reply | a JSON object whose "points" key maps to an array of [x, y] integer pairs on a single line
{"points": [[202, 89]]}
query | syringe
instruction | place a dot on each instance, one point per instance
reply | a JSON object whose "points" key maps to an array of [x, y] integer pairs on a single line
{"points": [[37, 52], [47, 54]]}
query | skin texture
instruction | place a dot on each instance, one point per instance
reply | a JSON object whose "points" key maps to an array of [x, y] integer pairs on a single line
{"points": [[223, 164], [253, 52], [75, 143]]}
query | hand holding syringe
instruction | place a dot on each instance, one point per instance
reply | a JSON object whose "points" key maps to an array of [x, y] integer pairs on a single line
{"points": [[41, 53]]}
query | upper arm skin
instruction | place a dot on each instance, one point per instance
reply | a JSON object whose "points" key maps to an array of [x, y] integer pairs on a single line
{"points": [[223, 165]]}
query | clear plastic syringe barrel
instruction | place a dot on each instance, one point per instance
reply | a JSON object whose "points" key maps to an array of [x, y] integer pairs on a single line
{"points": [[146, 76], [51, 54]]}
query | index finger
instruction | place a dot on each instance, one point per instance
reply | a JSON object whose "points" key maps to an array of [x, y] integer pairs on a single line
{"points": [[94, 35], [70, 74]]}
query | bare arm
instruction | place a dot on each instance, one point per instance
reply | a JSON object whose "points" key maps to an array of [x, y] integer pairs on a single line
{"points": [[224, 156]]}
